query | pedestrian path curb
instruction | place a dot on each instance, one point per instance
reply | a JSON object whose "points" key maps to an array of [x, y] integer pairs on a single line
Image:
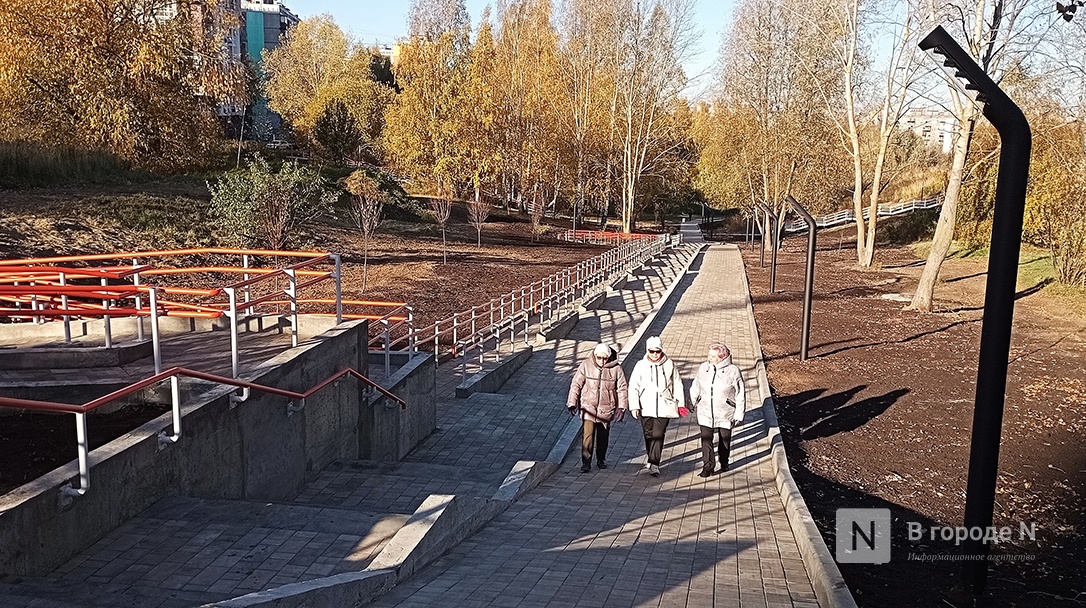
{"points": [[441, 522], [829, 585]]}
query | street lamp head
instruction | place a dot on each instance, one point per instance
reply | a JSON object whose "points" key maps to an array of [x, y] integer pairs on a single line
{"points": [[959, 66]]}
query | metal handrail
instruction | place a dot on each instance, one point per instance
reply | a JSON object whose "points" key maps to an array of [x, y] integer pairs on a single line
{"points": [[849, 215], [16, 271], [172, 375]]}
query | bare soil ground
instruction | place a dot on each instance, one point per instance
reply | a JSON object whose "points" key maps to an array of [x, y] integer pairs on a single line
{"points": [[881, 413], [406, 262]]}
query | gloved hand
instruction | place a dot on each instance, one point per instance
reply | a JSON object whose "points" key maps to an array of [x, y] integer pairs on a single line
{"points": [[683, 412], [572, 410], [619, 415], [636, 414]]}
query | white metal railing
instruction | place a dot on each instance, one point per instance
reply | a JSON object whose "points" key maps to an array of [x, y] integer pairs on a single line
{"points": [[484, 326], [846, 216]]}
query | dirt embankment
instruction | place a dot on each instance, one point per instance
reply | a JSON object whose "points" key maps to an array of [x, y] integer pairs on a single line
{"points": [[881, 416]]}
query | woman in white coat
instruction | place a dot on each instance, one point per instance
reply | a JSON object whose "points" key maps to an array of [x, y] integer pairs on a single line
{"points": [[656, 394], [718, 396]]}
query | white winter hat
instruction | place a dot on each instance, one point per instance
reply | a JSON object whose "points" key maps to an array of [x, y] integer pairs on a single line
{"points": [[654, 343], [602, 350]]}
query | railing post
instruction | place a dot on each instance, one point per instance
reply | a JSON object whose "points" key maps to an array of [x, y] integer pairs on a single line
{"points": [[412, 336], [84, 449], [339, 287], [139, 302], [155, 343], [105, 318], [388, 350], [235, 358], [34, 303], [455, 336], [473, 316], [437, 339], [292, 293], [175, 394], [245, 276], [64, 305]]}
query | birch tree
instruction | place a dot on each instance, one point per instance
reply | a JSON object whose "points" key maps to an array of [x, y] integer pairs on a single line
{"points": [[998, 34]]}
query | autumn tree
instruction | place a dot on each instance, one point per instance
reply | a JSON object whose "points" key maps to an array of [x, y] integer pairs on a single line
{"points": [[441, 209], [422, 121], [998, 34], [140, 78], [367, 205], [316, 73], [768, 133], [656, 39], [478, 212]]}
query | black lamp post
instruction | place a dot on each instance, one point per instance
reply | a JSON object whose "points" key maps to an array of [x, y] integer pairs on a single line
{"points": [[808, 280], [771, 219], [995, 335]]}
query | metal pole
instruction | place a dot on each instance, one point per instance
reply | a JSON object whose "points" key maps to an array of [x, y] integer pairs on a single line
{"points": [[106, 325], [84, 449], [995, 333], [245, 276], [156, 345], [388, 350], [292, 293], [235, 358], [339, 287], [139, 302], [808, 279], [64, 304]]}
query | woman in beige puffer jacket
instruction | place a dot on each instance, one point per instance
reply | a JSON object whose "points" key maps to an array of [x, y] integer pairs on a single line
{"points": [[718, 396]]}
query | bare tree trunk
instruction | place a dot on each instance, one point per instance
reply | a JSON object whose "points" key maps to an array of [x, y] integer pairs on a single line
{"points": [[944, 229], [444, 248], [365, 262]]}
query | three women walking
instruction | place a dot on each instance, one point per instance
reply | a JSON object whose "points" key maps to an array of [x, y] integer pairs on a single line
{"points": [[599, 394]]}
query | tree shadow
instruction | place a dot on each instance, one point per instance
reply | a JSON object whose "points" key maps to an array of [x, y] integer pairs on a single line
{"points": [[817, 415]]}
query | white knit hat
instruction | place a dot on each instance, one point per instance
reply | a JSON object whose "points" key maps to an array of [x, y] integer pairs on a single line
{"points": [[602, 350], [654, 343]]}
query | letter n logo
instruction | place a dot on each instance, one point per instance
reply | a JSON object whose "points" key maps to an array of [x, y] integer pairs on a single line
{"points": [[863, 536]]}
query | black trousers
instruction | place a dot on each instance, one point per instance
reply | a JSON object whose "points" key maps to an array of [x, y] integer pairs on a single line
{"points": [[724, 446], [597, 433], [654, 437]]}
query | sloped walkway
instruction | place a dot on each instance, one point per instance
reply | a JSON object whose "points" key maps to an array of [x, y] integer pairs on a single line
{"points": [[620, 538], [188, 551]]}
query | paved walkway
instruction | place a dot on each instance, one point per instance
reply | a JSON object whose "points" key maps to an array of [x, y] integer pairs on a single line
{"points": [[620, 538], [608, 538], [187, 551]]}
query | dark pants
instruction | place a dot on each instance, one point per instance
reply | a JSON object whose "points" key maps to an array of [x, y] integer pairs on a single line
{"points": [[723, 447], [654, 437], [593, 431]]}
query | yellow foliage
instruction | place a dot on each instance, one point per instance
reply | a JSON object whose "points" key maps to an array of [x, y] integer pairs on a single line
{"points": [[129, 76]]}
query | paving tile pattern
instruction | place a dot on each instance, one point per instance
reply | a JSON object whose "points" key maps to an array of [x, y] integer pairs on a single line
{"points": [[621, 538], [186, 552]]}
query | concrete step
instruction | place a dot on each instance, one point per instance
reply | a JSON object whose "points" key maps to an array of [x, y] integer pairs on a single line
{"points": [[193, 551]]}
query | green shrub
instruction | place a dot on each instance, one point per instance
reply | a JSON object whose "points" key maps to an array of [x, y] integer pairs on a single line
{"points": [[258, 206]]}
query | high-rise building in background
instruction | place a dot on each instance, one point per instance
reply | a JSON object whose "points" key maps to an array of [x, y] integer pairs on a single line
{"points": [[264, 23]]}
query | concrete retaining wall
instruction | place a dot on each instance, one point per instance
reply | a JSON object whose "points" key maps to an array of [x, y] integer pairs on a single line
{"points": [[494, 374], [385, 431], [558, 329], [260, 449]]}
